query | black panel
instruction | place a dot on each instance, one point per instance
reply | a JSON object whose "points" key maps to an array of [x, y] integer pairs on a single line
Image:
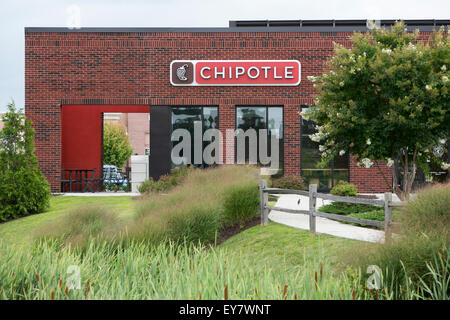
{"points": [[160, 130]]}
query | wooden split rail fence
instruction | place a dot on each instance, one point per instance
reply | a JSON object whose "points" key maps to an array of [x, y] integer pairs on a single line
{"points": [[386, 203]]}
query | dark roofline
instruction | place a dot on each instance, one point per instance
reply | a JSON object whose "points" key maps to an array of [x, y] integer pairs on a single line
{"points": [[332, 23], [264, 26]]}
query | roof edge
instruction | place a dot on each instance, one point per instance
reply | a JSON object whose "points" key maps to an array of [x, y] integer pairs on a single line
{"points": [[261, 26]]}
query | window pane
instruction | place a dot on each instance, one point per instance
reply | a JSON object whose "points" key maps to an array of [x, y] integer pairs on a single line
{"points": [[341, 162], [310, 153], [185, 118], [321, 177], [310, 156], [340, 174], [275, 127], [210, 121], [251, 117], [210, 118], [275, 121], [308, 126], [269, 118]]}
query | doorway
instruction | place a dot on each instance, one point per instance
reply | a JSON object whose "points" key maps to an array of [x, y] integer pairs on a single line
{"points": [[81, 143]]}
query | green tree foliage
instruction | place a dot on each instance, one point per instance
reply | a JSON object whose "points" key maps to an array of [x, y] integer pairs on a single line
{"points": [[23, 188], [116, 145], [386, 98]]}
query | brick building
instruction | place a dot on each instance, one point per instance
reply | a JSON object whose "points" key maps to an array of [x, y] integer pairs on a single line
{"points": [[73, 77]]}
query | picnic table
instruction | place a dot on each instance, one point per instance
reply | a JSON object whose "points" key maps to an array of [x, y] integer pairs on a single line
{"points": [[78, 180]]}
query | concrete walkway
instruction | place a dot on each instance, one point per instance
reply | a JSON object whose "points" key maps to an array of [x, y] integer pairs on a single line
{"points": [[323, 225]]}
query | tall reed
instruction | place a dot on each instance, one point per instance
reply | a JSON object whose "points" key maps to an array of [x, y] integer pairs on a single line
{"points": [[167, 271]]}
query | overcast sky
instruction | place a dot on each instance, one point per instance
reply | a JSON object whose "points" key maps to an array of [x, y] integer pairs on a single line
{"points": [[17, 14]]}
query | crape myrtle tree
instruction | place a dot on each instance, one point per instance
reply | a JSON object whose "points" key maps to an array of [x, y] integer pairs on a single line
{"points": [[23, 188], [385, 100], [116, 145]]}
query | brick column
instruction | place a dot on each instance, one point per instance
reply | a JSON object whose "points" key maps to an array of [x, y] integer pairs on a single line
{"points": [[227, 121], [291, 139], [46, 119]]}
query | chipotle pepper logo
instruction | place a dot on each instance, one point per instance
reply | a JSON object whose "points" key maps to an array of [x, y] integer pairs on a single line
{"points": [[235, 73], [182, 73]]}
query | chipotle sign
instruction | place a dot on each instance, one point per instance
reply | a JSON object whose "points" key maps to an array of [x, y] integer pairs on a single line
{"points": [[235, 73]]}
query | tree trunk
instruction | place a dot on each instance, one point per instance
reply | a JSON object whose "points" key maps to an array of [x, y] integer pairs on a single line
{"points": [[409, 174]]}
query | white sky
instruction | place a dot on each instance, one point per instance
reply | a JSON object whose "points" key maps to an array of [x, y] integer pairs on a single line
{"points": [[17, 14]]}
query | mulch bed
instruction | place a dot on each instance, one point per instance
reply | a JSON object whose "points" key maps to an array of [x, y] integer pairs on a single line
{"points": [[230, 231]]}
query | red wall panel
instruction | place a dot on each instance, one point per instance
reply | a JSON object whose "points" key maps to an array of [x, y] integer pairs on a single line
{"points": [[81, 137]]}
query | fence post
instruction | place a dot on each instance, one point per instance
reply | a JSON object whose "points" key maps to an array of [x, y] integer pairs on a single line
{"points": [[312, 208], [387, 216], [264, 200]]}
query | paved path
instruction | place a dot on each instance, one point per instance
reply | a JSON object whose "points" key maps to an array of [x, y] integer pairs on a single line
{"points": [[323, 225]]}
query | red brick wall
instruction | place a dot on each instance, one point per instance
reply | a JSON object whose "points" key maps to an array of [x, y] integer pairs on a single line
{"points": [[133, 68], [376, 179]]}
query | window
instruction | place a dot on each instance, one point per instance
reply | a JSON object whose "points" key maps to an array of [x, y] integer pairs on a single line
{"points": [[327, 177], [263, 117], [185, 117]]}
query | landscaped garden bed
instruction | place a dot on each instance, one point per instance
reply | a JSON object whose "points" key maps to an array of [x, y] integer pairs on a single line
{"points": [[169, 247], [362, 211]]}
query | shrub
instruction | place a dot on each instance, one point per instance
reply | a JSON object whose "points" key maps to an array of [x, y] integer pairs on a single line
{"points": [[422, 236], [347, 208], [377, 215], [345, 189], [23, 188], [165, 182], [240, 203], [146, 186], [292, 182]]}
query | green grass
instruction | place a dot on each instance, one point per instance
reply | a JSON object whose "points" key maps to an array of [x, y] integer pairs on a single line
{"points": [[255, 264], [272, 262], [20, 231], [164, 272], [419, 252], [283, 247]]}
